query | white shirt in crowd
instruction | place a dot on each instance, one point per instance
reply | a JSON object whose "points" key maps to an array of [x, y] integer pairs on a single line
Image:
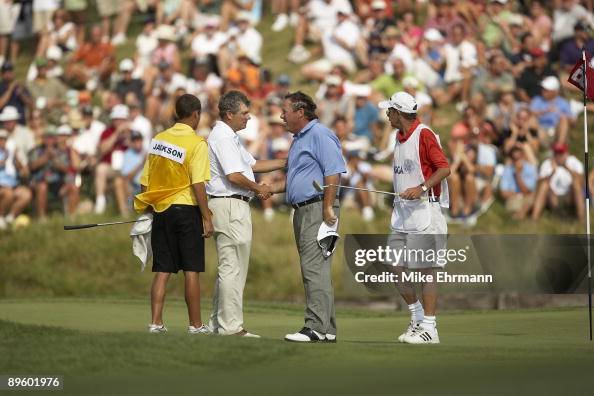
{"points": [[24, 141], [349, 32], [457, 57], [86, 143], [45, 5], [323, 14], [249, 42], [227, 155], [142, 124], [208, 45], [560, 181], [564, 20]]}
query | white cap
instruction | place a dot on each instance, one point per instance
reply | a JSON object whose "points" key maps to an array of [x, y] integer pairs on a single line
{"points": [[550, 83], [400, 101], [166, 32], [332, 79], [344, 9], [280, 144], [64, 130], [378, 5], [327, 238], [357, 90], [243, 16], [499, 1], [54, 53], [127, 65], [410, 82], [10, 113], [433, 35], [119, 112]]}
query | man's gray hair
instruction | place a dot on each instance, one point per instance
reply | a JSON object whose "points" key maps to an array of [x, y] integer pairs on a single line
{"points": [[230, 102]]}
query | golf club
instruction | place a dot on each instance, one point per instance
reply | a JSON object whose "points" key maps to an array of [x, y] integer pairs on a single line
{"points": [[81, 226], [320, 188]]}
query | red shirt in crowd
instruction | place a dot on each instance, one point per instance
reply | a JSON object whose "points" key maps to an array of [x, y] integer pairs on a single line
{"points": [[119, 144]]}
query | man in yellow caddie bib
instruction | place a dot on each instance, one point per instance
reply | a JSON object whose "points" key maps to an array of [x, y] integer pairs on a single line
{"points": [[173, 188]]}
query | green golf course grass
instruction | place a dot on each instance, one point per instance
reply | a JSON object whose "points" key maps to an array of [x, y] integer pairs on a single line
{"points": [[100, 346]]}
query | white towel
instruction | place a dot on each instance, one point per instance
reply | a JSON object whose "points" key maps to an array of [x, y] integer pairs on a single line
{"points": [[141, 239]]}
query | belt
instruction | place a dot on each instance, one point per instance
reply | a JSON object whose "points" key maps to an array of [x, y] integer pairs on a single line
{"points": [[309, 201], [236, 196]]}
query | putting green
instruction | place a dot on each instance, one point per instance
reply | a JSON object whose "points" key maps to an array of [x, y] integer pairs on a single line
{"points": [[101, 347]]}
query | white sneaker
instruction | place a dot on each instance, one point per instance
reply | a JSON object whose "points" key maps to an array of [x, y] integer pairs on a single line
{"points": [[155, 328], [199, 330], [9, 218], [412, 325], [422, 336], [305, 335], [293, 19], [3, 224], [247, 334], [118, 39], [368, 214], [280, 23], [298, 54], [268, 214], [330, 338], [100, 204]]}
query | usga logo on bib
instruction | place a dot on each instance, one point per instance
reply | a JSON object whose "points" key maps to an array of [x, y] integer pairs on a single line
{"points": [[168, 150]]}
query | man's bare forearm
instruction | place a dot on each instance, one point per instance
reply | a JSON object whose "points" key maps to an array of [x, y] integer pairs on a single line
{"points": [[330, 191], [263, 166], [200, 192]]}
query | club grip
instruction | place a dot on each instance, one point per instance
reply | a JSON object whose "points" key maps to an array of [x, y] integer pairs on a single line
{"points": [[78, 227]]}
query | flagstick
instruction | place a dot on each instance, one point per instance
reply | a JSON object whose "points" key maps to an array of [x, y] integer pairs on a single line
{"points": [[587, 191]]}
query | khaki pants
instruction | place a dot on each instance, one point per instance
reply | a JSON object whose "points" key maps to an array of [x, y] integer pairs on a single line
{"points": [[233, 238]]}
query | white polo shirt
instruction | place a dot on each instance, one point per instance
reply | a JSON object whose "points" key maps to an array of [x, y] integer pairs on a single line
{"points": [[227, 155]]}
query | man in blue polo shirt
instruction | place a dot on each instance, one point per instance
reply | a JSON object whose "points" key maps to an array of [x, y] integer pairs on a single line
{"points": [[315, 155]]}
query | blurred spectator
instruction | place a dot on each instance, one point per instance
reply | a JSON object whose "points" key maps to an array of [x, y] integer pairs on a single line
{"points": [[358, 175], [518, 183], [23, 29], [540, 25], [366, 115], [566, 13], [59, 32], [388, 83], [132, 165], [19, 135], [316, 19], [244, 76], [48, 93], [128, 85], [339, 45], [461, 182], [120, 11], [424, 102], [159, 91], [87, 141], [335, 103], [532, 74], [248, 39], [77, 9], [9, 12], [411, 33], [206, 45], [430, 63], [561, 183], [14, 198], [445, 18], [553, 111], [13, 93], [523, 129], [53, 168], [93, 62], [570, 51], [54, 70], [204, 83], [146, 42], [460, 62], [139, 123], [112, 145], [495, 80], [167, 50], [379, 19]]}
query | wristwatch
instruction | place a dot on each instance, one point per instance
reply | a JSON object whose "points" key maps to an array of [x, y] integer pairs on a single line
{"points": [[423, 187]]}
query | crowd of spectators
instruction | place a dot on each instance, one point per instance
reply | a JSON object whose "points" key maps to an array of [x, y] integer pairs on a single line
{"points": [[75, 128]]}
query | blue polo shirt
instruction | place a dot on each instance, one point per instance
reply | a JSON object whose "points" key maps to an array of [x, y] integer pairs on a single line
{"points": [[314, 154]]}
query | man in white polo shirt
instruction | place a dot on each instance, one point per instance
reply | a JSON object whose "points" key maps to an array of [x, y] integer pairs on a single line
{"points": [[230, 190]]}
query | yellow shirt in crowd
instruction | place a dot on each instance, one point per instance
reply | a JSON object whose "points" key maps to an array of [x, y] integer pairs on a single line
{"points": [[177, 159]]}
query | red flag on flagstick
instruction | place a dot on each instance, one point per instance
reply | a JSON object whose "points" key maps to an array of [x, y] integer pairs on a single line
{"points": [[576, 77]]}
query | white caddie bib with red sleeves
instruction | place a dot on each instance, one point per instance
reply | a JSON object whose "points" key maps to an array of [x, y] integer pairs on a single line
{"points": [[412, 216]]}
